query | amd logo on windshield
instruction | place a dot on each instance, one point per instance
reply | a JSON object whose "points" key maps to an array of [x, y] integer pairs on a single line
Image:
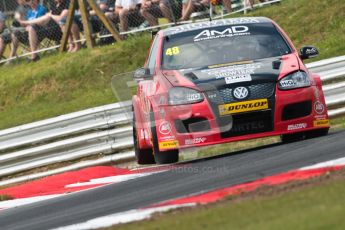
{"points": [[228, 32]]}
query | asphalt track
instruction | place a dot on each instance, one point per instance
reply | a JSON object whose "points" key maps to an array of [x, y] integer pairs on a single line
{"points": [[194, 177]]}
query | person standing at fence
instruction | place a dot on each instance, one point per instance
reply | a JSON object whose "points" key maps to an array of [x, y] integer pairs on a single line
{"points": [[154, 9]]}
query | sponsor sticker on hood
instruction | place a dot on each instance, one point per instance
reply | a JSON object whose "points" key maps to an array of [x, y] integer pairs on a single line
{"points": [[234, 73], [238, 78]]}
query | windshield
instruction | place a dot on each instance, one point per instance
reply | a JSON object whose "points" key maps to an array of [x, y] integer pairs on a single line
{"points": [[225, 44]]}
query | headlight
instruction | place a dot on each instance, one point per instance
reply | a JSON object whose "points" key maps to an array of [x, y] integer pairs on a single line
{"points": [[295, 80], [181, 95]]}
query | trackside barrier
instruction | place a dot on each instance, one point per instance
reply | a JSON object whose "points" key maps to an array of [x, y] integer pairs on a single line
{"points": [[104, 130], [103, 117]]}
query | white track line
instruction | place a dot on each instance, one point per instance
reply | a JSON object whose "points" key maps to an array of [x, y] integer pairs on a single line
{"points": [[121, 218], [111, 179], [331, 163], [99, 181], [22, 201]]}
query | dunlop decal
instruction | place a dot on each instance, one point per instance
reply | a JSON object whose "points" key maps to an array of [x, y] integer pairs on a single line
{"points": [[245, 106], [168, 144], [321, 123]]}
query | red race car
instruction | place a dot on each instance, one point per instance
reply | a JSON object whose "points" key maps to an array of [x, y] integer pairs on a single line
{"points": [[221, 81]]}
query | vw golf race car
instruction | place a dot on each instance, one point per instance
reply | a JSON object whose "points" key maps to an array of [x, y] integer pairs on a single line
{"points": [[221, 81]]}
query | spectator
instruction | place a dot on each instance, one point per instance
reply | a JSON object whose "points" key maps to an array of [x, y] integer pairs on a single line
{"points": [[48, 26], [184, 6], [104, 6], [21, 11], [2, 33], [192, 6], [58, 12], [2, 21], [30, 34], [154, 9], [128, 13], [107, 7], [227, 5], [248, 4], [5, 34]]}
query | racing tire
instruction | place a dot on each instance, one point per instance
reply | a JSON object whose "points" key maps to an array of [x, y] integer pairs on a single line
{"points": [[317, 133], [143, 156], [161, 157], [288, 138]]}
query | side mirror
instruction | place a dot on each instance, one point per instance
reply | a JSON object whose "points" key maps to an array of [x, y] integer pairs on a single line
{"points": [[308, 52], [154, 33], [142, 74]]}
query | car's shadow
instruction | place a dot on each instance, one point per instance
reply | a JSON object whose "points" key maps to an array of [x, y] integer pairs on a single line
{"points": [[255, 150]]}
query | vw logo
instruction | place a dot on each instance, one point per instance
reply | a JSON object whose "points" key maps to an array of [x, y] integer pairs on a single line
{"points": [[240, 92]]}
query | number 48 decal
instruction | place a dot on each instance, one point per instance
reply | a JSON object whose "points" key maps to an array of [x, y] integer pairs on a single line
{"points": [[172, 51]]}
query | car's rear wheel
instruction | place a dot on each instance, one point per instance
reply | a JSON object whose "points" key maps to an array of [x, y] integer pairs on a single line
{"points": [[161, 157], [317, 133], [143, 156]]}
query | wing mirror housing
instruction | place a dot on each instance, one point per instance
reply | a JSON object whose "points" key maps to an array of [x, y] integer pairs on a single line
{"points": [[307, 52], [142, 74]]}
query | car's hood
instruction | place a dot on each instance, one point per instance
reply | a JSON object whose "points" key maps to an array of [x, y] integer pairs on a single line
{"points": [[241, 73]]}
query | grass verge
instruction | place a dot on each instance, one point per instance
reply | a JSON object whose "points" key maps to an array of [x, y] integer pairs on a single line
{"points": [[65, 83], [311, 22], [312, 204]]}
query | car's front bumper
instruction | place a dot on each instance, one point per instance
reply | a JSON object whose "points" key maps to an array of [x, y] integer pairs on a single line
{"points": [[199, 124]]}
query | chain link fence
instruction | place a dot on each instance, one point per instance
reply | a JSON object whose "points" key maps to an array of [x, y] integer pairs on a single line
{"points": [[28, 27]]}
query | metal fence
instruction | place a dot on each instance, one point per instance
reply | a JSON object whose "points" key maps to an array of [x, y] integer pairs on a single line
{"points": [[133, 17]]}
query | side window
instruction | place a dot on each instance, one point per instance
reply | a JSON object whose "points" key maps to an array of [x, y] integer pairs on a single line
{"points": [[152, 59]]}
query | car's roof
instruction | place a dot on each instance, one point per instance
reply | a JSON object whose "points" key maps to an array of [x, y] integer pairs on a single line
{"points": [[215, 23]]}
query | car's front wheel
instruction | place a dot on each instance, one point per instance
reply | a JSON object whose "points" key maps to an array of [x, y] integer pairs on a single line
{"points": [[143, 156], [161, 157]]}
